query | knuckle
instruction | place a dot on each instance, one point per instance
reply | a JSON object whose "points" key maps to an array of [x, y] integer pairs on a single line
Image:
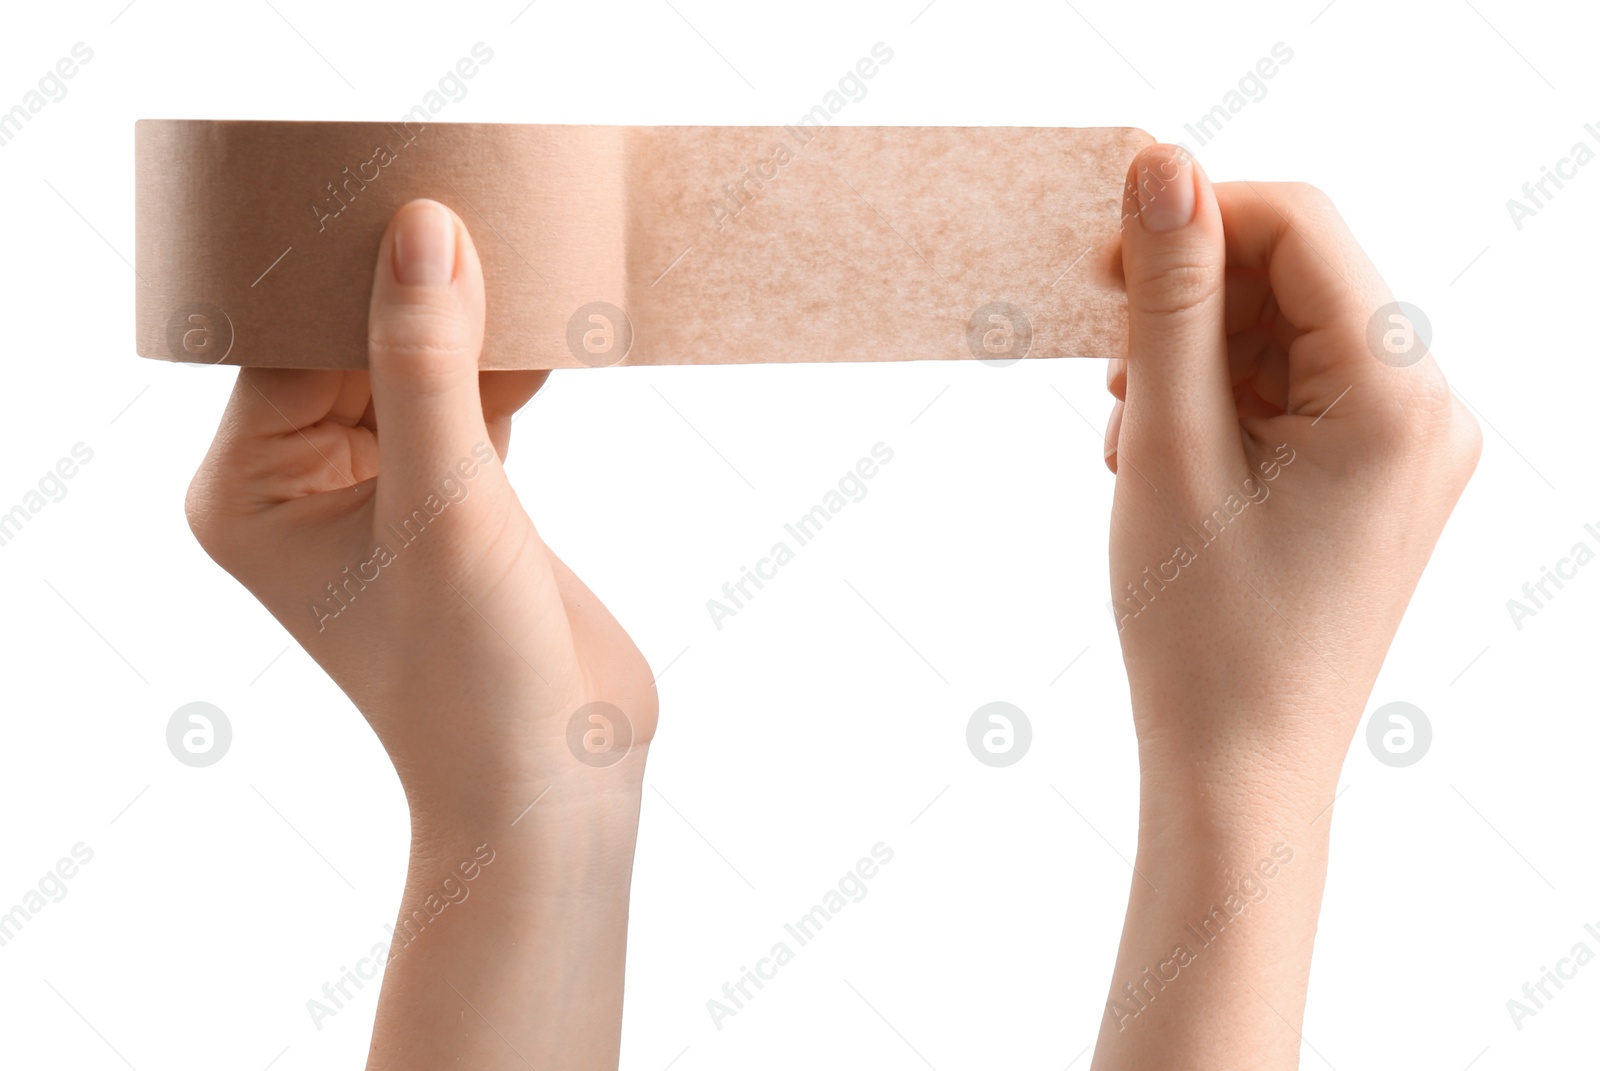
{"points": [[1176, 288], [1466, 439], [410, 349], [204, 521], [1309, 207], [1428, 421], [429, 359], [1310, 198], [1396, 428], [419, 333]]}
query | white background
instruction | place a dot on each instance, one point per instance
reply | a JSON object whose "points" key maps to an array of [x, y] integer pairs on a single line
{"points": [[806, 730]]}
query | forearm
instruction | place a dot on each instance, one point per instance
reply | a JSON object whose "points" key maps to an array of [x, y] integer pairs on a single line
{"points": [[522, 963], [1212, 970]]}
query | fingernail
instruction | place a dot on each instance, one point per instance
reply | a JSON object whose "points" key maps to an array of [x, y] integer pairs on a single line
{"points": [[1166, 189], [424, 245]]}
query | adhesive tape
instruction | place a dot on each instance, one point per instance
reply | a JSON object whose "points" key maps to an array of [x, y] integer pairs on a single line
{"points": [[641, 245]]}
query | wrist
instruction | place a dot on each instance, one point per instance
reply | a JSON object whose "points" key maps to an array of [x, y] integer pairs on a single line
{"points": [[1222, 837], [1231, 798], [543, 866], [1228, 884], [1242, 763], [466, 765], [565, 816]]}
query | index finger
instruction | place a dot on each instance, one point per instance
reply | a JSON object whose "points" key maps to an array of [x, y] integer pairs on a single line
{"points": [[1324, 286], [1320, 276]]}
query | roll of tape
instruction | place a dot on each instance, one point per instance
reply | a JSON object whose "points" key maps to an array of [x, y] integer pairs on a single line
{"points": [[641, 245]]}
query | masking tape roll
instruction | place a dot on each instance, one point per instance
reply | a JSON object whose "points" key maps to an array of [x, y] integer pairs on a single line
{"points": [[608, 245]]}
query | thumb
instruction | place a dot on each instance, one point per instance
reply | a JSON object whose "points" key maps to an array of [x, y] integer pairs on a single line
{"points": [[424, 333], [1173, 260]]}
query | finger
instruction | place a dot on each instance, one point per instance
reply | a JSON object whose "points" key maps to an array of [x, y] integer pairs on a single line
{"points": [[504, 393], [1251, 404], [286, 433], [424, 333], [1113, 430], [1117, 378], [1292, 232], [1255, 357], [1249, 299], [1251, 353], [1325, 288], [273, 401], [354, 398], [281, 439], [1174, 257]]}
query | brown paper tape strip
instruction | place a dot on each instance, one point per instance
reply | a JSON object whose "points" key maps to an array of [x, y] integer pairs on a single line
{"points": [[641, 245]]}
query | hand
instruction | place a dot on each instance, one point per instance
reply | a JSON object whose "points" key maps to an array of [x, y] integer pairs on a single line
{"points": [[1279, 490], [369, 512], [1279, 487]]}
